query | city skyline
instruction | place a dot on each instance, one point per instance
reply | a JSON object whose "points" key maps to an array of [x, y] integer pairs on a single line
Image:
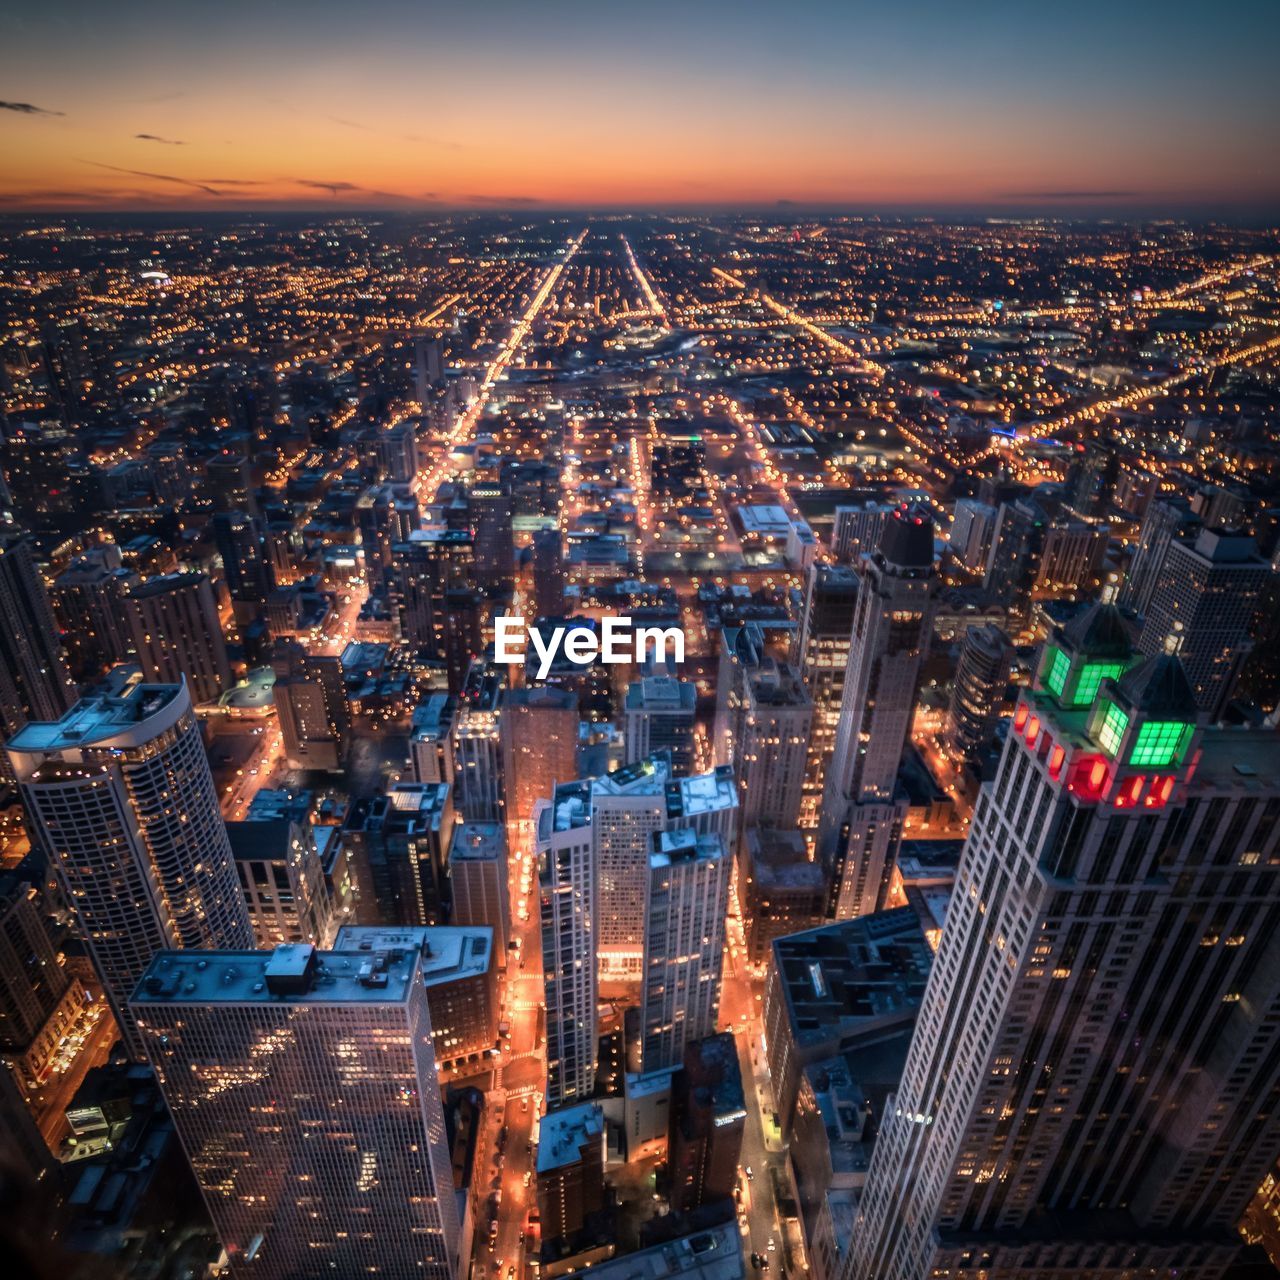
{"points": [[1137, 108]]}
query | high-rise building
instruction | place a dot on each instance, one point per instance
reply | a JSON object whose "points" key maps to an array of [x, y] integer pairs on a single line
{"points": [[428, 366], [431, 578], [658, 716], [478, 885], [479, 784], [1208, 591], [708, 1117], [686, 906], [1167, 519], [119, 794], [1016, 548], [396, 452], [539, 745], [822, 654], [856, 530], [283, 882], [246, 562], [310, 694], [567, 892], [893, 625], [570, 1169], [772, 753], [978, 692], [88, 602], [303, 1086], [431, 739], [39, 1002], [174, 626], [972, 531], [34, 682], [1071, 561], [404, 837], [548, 573], [779, 889], [1089, 1087], [492, 508]]}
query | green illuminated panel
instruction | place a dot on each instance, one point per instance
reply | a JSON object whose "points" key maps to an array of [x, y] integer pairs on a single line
{"points": [[1055, 673], [1092, 674], [1114, 723], [1160, 743]]}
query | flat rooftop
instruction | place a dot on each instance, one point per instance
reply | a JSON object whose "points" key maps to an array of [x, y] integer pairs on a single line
{"points": [[478, 842], [702, 793], [96, 718], [294, 973], [714, 1254], [448, 953], [564, 1133]]}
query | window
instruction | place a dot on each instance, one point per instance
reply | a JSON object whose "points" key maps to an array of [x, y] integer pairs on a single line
{"points": [[1092, 674], [1160, 743], [1056, 671], [1114, 724]]}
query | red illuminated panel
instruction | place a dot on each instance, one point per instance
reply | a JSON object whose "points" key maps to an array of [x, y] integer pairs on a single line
{"points": [[1087, 777], [1033, 730], [1020, 717], [1056, 758], [1161, 790], [1130, 790]]}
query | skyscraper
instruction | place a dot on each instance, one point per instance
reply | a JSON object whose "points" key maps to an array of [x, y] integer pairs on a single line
{"points": [[34, 684], [773, 750], [311, 701], [303, 1085], [548, 573], [822, 654], [478, 885], [479, 790], [658, 716], [246, 562], [1089, 1089], [173, 622], [567, 894], [539, 745], [892, 628], [88, 602], [1208, 590], [431, 578], [982, 675], [684, 938], [1167, 519], [708, 1116], [119, 793]]}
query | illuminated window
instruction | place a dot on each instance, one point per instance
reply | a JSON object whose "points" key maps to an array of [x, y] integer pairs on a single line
{"points": [[1092, 674], [1055, 674], [1160, 743], [1114, 723]]}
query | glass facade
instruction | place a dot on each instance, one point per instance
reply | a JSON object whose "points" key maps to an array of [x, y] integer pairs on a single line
{"points": [[1114, 724], [1160, 743]]}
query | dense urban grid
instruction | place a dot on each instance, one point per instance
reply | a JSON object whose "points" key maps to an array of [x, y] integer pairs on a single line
{"points": [[916, 917]]}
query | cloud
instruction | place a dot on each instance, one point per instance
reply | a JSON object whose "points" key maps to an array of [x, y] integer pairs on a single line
{"points": [[331, 187], [152, 137], [1070, 195], [158, 177], [27, 109], [503, 200], [406, 137]]}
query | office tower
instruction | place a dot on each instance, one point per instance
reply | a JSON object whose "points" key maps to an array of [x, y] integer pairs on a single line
{"points": [[478, 883], [431, 739], [742, 652], [706, 803], [972, 531], [626, 807], [856, 530], [491, 508], [658, 716], [310, 694], [303, 1085], [1089, 1088], [428, 366], [1071, 561], [170, 472], [774, 747], [1209, 590], [173, 623], [404, 836], [684, 938], [246, 563], [978, 692], [39, 1002], [822, 653], [893, 624], [847, 985], [1016, 549], [283, 883], [459, 968], [385, 517], [708, 1116], [1167, 519], [34, 683], [779, 889], [88, 602], [539, 745], [229, 485], [119, 794], [548, 573], [567, 893], [570, 1169], [396, 454], [479, 791], [431, 578], [1219, 507]]}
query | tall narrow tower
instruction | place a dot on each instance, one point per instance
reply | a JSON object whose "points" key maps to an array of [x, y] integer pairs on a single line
{"points": [[1091, 1085], [892, 625]]}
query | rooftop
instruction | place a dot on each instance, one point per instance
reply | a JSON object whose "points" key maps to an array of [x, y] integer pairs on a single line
{"points": [[107, 719], [478, 842], [564, 1133], [714, 1254], [702, 793], [448, 953]]}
